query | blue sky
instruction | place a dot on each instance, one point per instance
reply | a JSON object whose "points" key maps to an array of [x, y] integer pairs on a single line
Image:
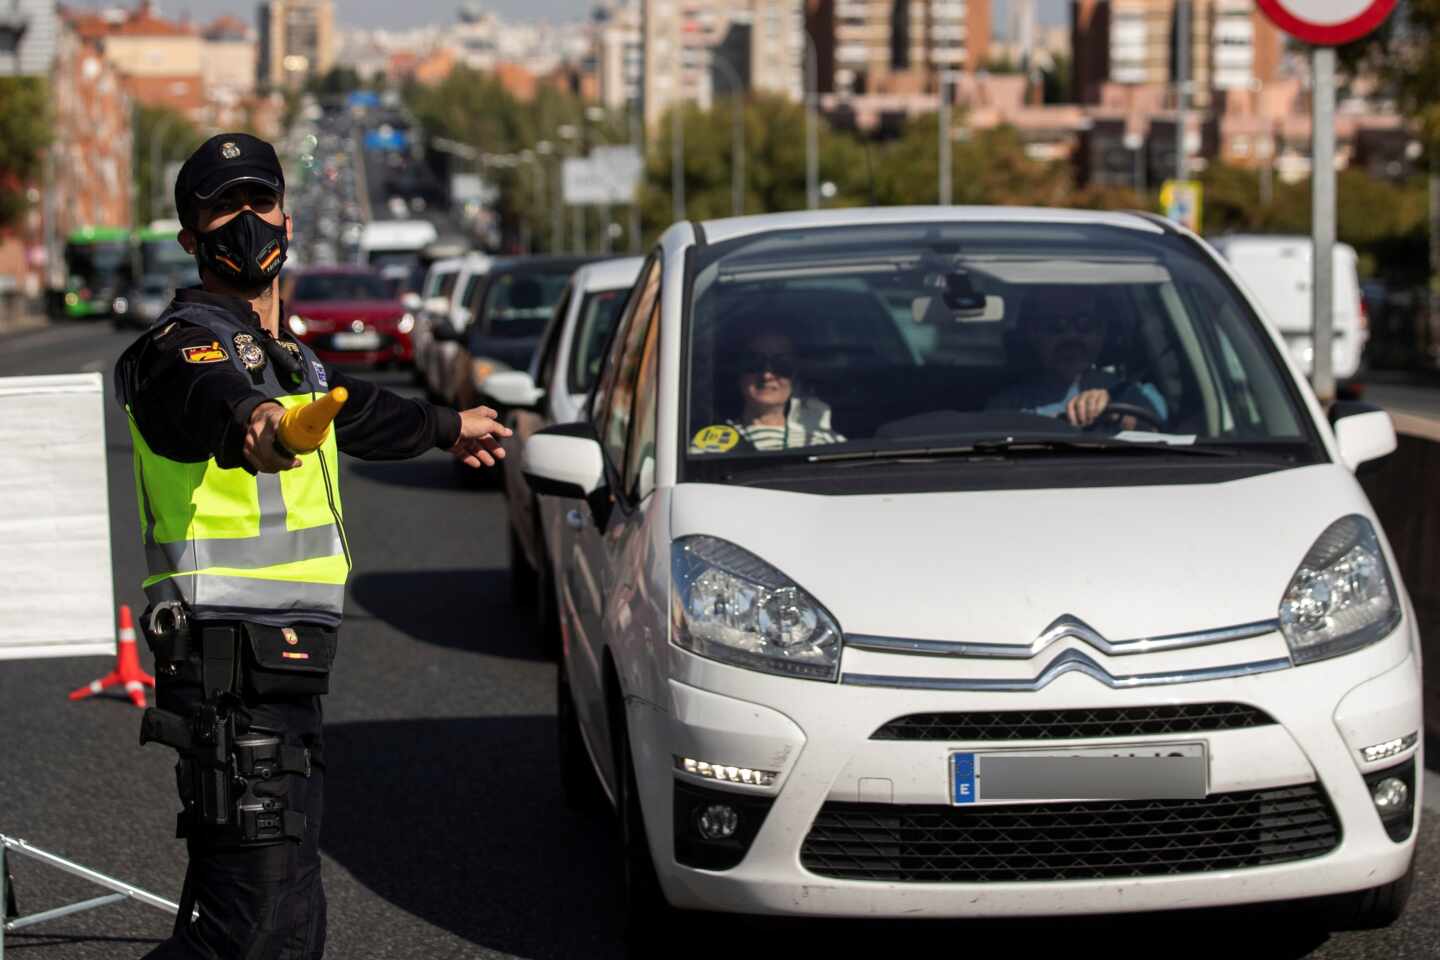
{"points": [[370, 13]]}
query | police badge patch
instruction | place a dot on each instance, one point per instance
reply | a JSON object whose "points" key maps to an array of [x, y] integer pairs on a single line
{"points": [[249, 352]]}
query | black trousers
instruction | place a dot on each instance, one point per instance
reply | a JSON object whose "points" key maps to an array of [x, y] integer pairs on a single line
{"points": [[256, 901]]}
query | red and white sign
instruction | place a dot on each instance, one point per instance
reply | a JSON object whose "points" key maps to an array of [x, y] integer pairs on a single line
{"points": [[1327, 22]]}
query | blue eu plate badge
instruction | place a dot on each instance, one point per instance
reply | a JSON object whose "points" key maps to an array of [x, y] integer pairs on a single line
{"points": [[962, 776], [319, 372]]}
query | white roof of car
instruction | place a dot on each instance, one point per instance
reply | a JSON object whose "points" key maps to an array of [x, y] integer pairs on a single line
{"points": [[382, 234], [1270, 240], [614, 274], [718, 231]]}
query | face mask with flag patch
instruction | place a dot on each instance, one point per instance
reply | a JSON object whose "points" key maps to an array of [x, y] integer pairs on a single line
{"points": [[246, 250]]}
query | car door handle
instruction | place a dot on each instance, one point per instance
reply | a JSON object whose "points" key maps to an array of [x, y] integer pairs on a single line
{"points": [[576, 519]]}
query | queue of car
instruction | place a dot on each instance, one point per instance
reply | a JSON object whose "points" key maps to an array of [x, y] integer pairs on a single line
{"points": [[865, 605]]}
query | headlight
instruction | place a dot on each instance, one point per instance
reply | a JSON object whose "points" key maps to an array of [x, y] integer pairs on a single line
{"points": [[730, 605], [1342, 597], [120, 305], [407, 323], [297, 326]]}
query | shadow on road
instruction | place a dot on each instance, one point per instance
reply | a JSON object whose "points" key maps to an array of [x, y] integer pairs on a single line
{"points": [[422, 473], [438, 606], [467, 831]]}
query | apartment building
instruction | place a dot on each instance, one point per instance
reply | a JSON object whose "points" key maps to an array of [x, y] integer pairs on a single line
{"points": [[619, 53], [762, 44], [1233, 46], [297, 42], [868, 47]]}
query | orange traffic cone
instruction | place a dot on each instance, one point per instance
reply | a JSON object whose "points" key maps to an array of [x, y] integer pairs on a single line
{"points": [[127, 667]]}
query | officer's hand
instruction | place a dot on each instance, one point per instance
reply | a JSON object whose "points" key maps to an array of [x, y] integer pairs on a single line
{"points": [[479, 443], [260, 440], [1086, 406]]}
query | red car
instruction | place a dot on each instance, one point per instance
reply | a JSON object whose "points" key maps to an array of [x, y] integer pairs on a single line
{"points": [[350, 315]]}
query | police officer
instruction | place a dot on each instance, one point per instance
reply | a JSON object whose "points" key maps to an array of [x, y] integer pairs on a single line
{"points": [[247, 556]]}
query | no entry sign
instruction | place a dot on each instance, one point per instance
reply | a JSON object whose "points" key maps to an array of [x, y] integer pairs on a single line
{"points": [[1327, 22]]}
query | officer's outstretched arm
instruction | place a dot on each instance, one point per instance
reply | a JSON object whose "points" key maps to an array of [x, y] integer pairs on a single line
{"points": [[261, 451]]}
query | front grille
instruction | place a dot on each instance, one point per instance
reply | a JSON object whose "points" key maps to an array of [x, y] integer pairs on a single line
{"points": [[1070, 841], [1074, 724]]}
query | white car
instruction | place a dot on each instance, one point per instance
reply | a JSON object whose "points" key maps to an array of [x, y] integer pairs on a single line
{"points": [[1278, 271], [434, 365], [858, 621], [553, 391], [436, 295]]}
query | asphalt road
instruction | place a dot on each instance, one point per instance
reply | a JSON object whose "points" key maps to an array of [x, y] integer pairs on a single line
{"points": [[445, 836]]}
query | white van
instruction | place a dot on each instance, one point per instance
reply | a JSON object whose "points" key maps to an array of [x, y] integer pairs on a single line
{"points": [[395, 247], [1277, 270]]}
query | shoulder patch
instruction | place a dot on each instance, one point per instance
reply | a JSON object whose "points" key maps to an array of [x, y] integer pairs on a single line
{"points": [[211, 354], [319, 373]]}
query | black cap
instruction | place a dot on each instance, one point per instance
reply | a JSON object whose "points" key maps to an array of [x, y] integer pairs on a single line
{"points": [[225, 159]]}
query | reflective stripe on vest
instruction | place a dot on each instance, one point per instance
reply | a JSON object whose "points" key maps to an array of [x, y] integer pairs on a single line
{"points": [[228, 543]]}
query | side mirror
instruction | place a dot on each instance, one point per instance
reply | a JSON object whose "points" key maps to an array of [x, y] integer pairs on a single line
{"points": [[564, 461], [1363, 432], [514, 389], [437, 306], [411, 301], [443, 329]]}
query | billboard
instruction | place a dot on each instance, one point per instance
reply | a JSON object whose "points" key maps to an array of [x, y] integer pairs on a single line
{"points": [[608, 176]]}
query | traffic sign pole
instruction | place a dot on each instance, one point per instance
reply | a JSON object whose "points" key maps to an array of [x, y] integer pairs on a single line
{"points": [[1322, 218], [1323, 24]]}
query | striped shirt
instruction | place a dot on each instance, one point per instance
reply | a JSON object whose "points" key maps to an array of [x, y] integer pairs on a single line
{"points": [[787, 436]]}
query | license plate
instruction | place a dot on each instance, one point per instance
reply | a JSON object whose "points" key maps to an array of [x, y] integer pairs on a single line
{"points": [[355, 341], [1132, 771]]}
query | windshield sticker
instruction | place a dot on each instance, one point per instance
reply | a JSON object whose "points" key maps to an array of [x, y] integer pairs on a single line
{"points": [[211, 354], [715, 439]]}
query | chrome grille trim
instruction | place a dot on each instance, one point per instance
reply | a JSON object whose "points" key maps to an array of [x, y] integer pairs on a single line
{"points": [[1069, 661], [1066, 627]]}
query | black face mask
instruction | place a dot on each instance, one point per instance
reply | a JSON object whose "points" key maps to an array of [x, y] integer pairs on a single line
{"points": [[246, 250]]}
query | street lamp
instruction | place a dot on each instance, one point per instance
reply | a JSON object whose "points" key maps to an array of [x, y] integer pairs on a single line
{"points": [[737, 164], [944, 187], [544, 148], [812, 125], [565, 132], [1134, 142], [677, 161]]}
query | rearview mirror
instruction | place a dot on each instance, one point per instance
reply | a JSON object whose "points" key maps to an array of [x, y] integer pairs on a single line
{"points": [[564, 460], [514, 389], [437, 306], [1363, 432]]}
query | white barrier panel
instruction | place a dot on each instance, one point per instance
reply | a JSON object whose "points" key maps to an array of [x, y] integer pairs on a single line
{"points": [[56, 594]]}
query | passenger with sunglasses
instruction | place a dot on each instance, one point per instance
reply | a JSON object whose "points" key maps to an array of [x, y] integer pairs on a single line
{"points": [[772, 415], [1066, 330]]}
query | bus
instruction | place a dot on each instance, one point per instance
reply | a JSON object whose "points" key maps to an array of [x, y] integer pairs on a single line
{"points": [[98, 271], [161, 267]]}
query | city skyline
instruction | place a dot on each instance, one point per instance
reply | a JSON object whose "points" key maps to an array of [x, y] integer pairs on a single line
{"points": [[417, 13]]}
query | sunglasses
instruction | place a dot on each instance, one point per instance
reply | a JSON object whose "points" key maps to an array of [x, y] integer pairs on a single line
{"points": [[1081, 323], [780, 364]]}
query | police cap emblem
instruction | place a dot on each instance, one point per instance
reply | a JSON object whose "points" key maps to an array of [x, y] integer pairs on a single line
{"points": [[229, 150], [249, 352]]}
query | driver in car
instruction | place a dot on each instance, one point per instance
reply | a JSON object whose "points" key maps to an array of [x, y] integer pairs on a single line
{"points": [[1066, 331]]}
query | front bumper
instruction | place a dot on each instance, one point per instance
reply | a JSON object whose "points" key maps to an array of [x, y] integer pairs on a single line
{"points": [[818, 739]]}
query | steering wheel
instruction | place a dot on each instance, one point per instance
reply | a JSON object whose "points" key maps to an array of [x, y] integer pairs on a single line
{"points": [[1113, 413]]}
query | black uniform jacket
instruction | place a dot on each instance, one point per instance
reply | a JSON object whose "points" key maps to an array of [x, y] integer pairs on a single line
{"points": [[190, 411]]}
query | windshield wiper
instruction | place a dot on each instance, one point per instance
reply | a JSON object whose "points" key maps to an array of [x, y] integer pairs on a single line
{"points": [[992, 446]]}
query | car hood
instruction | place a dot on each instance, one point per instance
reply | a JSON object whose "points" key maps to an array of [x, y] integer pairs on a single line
{"points": [[1003, 565], [367, 310]]}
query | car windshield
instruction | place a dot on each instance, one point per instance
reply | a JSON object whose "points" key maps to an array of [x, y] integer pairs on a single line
{"points": [[830, 344], [97, 259], [342, 286], [592, 331], [519, 304], [165, 257]]}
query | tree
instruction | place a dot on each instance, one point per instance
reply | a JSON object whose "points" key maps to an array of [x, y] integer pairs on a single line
{"points": [[162, 137], [24, 134]]}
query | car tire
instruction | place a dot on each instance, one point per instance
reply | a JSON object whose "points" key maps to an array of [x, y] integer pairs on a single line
{"points": [[650, 922], [1371, 909], [579, 785], [524, 581]]}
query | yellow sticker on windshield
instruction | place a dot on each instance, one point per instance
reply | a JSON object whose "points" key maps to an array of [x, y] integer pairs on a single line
{"points": [[716, 439]]}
